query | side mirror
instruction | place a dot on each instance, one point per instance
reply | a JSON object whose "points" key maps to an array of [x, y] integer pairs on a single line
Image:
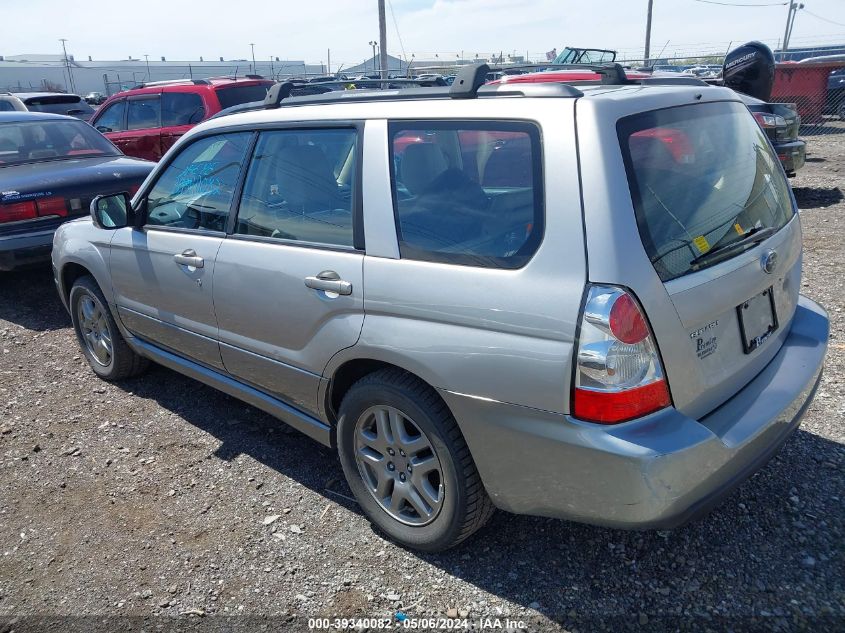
{"points": [[112, 211]]}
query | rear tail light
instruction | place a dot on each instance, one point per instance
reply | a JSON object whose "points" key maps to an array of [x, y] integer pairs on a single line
{"points": [[52, 206], [18, 211], [618, 373], [769, 120]]}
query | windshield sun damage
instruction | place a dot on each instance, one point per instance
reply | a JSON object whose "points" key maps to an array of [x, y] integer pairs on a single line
{"points": [[36, 141], [703, 178]]}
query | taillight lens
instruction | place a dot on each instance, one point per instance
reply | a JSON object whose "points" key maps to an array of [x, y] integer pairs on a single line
{"points": [[18, 211], [52, 206], [618, 374], [769, 120]]}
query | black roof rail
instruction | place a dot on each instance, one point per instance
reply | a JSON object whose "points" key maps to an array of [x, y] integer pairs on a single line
{"points": [[468, 81], [254, 76], [280, 95]]}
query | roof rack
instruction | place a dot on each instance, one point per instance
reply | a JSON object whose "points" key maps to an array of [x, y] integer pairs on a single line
{"points": [[279, 95], [236, 77], [172, 82]]}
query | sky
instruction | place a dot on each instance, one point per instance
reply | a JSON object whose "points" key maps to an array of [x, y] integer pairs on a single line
{"points": [[304, 30]]}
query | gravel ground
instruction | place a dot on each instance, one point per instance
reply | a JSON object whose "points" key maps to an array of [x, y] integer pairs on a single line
{"points": [[160, 496]]}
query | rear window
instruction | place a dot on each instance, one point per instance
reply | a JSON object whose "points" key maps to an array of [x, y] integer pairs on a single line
{"points": [[235, 95], [467, 192], [59, 104], [51, 140], [701, 176]]}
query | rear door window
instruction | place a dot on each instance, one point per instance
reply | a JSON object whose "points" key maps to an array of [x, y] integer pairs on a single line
{"points": [[300, 187], [701, 177], [181, 108], [467, 192], [144, 113]]}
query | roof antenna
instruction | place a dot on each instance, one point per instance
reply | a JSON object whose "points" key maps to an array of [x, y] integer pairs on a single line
{"points": [[468, 81]]}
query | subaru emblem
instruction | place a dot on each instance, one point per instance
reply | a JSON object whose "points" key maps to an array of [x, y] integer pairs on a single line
{"points": [[769, 261]]}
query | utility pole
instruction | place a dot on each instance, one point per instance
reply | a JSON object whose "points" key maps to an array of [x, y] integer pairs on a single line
{"points": [[648, 34], [67, 65], [790, 22], [382, 37], [147, 57], [254, 70], [329, 60]]}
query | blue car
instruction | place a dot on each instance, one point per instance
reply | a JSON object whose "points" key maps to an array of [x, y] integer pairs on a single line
{"points": [[51, 166]]}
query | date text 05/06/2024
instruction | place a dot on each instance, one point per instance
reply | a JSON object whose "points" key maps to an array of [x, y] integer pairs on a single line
{"points": [[403, 621]]}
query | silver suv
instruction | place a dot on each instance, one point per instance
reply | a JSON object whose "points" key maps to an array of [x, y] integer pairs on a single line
{"points": [[572, 302]]}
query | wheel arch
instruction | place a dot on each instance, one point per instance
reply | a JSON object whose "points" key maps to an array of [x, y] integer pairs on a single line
{"points": [[349, 371]]}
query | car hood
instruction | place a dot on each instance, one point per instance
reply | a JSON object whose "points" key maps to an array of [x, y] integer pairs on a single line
{"points": [[96, 174]]}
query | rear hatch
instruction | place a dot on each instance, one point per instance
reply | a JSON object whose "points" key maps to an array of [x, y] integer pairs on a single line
{"points": [[716, 219], [70, 105]]}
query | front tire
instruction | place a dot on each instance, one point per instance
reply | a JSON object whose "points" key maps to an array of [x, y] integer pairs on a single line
{"points": [[407, 463], [99, 337]]}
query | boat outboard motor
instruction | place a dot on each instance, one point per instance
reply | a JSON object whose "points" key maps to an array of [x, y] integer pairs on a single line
{"points": [[750, 69]]}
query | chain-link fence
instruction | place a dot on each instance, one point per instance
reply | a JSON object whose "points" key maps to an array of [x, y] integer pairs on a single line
{"points": [[818, 92]]}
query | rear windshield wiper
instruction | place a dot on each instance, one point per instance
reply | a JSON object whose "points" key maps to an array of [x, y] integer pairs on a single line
{"points": [[748, 239]]}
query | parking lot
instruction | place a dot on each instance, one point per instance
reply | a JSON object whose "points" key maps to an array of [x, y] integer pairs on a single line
{"points": [[161, 496]]}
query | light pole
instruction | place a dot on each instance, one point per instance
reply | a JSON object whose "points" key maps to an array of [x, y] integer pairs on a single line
{"points": [[67, 65], [252, 46], [374, 44], [648, 34], [147, 57]]}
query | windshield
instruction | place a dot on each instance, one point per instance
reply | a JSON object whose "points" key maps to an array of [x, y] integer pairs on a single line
{"points": [[35, 141], [584, 56], [701, 177], [235, 95]]}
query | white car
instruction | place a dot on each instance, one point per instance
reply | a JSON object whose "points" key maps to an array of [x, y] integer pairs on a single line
{"points": [[10, 103]]}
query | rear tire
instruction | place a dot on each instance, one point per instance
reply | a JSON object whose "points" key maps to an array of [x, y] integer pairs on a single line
{"points": [[99, 337], [432, 508]]}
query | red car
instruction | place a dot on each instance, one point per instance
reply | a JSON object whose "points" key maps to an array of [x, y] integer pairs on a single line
{"points": [[145, 121]]}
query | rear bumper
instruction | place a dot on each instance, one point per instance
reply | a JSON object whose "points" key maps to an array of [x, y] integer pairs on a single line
{"points": [[792, 155], [656, 472], [25, 248]]}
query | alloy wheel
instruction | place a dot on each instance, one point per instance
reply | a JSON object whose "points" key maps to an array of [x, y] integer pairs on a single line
{"points": [[94, 328], [398, 465]]}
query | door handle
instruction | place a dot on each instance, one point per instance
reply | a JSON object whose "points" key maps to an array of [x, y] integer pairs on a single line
{"points": [[329, 281], [189, 257]]}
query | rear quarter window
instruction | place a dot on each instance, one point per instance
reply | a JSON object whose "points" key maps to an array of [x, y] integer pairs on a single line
{"points": [[701, 176], [467, 192]]}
